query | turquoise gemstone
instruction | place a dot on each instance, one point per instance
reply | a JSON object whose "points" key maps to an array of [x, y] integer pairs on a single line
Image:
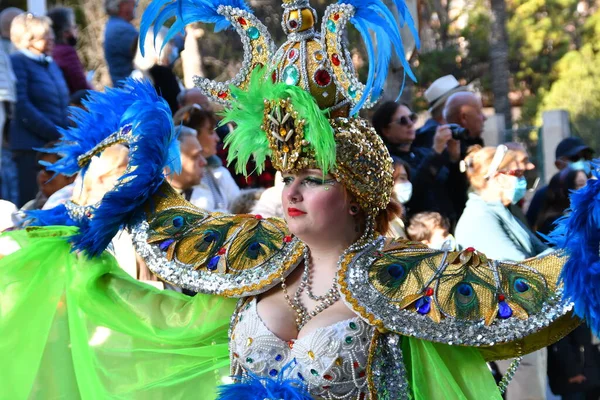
{"points": [[253, 33], [331, 26], [352, 92], [291, 75]]}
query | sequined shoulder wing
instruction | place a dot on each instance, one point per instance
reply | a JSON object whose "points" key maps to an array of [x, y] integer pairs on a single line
{"points": [[230, 255], [460, 298]]}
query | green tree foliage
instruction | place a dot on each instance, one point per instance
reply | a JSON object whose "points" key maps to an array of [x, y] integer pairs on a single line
{"points": [[577, 87]]}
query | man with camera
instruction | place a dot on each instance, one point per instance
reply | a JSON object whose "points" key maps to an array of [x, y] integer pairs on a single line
{"points": [[436, 95], [464, 110]]}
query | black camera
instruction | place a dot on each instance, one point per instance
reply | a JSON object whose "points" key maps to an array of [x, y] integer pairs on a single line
{"points": [[458, 132]]}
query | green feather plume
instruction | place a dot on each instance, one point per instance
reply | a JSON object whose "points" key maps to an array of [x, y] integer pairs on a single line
{"points": [[247, 109]]}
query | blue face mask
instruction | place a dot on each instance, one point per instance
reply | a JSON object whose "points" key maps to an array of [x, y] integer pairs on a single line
{"points": [[518, 190], [581, 165]]}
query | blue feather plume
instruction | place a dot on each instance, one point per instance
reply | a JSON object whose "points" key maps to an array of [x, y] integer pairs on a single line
{"points": [[253, 387], [54, 216], [185, 12], [154, 146], [578, 233], [373, 17]]}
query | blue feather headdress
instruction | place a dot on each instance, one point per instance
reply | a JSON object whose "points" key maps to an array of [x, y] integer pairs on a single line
{"points": [[379, 28], [134, 115], [254, 387], [578, 233]]}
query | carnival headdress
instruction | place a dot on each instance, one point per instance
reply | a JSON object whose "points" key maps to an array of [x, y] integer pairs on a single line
{"points": [[298, 104]]}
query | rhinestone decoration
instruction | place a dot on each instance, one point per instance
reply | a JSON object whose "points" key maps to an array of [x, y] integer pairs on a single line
{"points": [[389, 372], [290, 75], [449, 330], [179, 274], [253, 33]]}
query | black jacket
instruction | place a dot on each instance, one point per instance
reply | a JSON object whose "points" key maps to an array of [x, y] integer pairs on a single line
{"points": [[571, 356], [433, 177]]}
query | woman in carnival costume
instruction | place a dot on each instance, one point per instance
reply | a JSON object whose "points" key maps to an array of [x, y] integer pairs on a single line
{"points": [[328, 308]]}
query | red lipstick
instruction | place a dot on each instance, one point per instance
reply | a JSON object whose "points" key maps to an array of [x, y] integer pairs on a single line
{"points": [[294, 212]]}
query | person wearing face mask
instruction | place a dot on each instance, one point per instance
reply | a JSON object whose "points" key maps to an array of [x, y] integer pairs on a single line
{"points": [[571, 153], [487, 225], [64, 53]]}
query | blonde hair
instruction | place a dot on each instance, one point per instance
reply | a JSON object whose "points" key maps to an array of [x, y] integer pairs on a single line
{"points": [[26, 28], [478, 161], [102, 175]]}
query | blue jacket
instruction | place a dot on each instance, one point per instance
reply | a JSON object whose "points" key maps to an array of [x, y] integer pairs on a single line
{"points": [[42, 101], [120, 38]]}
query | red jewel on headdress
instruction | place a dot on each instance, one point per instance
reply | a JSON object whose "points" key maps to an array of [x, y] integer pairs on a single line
{"points": [[274, 76], [222, 251], [470, 249], [336, 16], [242, 21], [293, 24], [258, 216], [222, 95], [322, 77], [429, 292], [501, 297], [287, 238], [291, 54], [355, 364], [335, 59]]}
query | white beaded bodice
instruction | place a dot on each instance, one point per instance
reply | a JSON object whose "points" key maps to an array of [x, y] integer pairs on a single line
{"points": [[331, 360]]}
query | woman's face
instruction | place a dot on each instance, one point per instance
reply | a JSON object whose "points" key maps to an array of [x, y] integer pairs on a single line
{"points": [[400, 174], [580, 180], [208, 138], [315, 206], [44, 44], [506, 179], [401, 129]]}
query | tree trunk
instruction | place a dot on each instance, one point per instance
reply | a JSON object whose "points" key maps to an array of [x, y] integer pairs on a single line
{"points": [[499, 61]]}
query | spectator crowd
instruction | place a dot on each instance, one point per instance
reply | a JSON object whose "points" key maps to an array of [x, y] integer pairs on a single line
{"points": [[455, 191]]}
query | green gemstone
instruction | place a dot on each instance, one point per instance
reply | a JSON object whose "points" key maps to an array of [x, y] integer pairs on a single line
{"points": [[352, 325], [253, 33], [291, 75], [348, 339], [331, 26], [314, 372], [249, 360]]}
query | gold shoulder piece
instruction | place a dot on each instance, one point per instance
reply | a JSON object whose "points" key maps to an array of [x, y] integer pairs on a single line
{"points": [[459, 298], [230, 255]]}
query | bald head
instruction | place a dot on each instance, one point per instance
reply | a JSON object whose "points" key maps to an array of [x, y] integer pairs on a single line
{"points": [[6, 17], [465, 109]]}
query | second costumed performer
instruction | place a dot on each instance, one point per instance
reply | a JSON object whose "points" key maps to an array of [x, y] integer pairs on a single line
{"points": [[328, 307]]}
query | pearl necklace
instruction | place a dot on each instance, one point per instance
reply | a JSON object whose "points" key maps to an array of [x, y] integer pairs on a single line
{"points": [[333, 294]]}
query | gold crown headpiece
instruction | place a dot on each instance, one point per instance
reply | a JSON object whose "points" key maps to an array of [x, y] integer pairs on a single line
{"points": [[296, 104]]}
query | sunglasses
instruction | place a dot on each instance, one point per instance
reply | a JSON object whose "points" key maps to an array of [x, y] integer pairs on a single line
{"points": [[405, 121], [513, 172]]}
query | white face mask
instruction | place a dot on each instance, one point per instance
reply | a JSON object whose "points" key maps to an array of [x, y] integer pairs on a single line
{"points": [[403, 191]]}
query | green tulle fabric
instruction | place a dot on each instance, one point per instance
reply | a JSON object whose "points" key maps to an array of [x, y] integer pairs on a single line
{"points": [[441, 372], [74, 328], [78, 328]]}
